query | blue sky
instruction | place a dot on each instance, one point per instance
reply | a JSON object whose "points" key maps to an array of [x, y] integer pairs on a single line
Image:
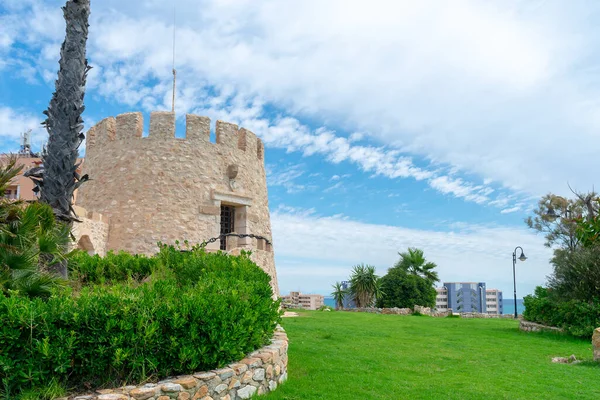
{"points": [[386, 124]]}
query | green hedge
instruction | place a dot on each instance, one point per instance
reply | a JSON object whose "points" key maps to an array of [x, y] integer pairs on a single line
{"points": [[578, 318], [196, 311], [114, 267]]}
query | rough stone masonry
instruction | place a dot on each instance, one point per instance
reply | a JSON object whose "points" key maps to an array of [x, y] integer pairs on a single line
{"points": [[259, 373], [162, 188], [596, 344]]}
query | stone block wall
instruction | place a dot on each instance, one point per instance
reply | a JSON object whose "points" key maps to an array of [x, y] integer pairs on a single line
{"points": [[527, 326], [425, 311], [596, 344], [422, 310], [483, 315], [91, 234], [373, 310], [396, 310], [259, 373]]}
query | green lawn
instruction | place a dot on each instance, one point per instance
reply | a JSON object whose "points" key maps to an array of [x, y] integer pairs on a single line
{"points": [[342, 355]]}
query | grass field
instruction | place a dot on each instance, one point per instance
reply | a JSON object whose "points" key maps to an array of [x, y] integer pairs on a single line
{"points": [[341, 355]]}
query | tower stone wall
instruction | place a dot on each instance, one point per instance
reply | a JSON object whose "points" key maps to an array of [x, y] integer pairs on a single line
{"points": [[161, 188]]}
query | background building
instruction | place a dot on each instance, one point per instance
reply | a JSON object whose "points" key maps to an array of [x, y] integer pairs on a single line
{"points": [[441, 299], [306, 301], [468, 297], [493, 301], [348, 301], [465, 296], [21, 187]]}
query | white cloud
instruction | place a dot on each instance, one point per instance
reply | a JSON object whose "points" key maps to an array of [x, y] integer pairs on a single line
{"points": [[15, 122], [461, 189], [285, 177], [332, 245], [290, 134], [356, 137], [335, 186], [510, 210], [488, 88], [297, 212]]}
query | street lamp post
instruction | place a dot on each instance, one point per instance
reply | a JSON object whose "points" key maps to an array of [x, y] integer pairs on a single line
{"points": [[522, 258]]}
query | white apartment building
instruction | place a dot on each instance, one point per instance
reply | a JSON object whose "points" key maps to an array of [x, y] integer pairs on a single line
{"points": [[441, 299], [306, 301], [493, 301]]}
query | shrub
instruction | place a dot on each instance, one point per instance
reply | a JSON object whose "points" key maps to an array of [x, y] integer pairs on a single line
{"points": [[113, 268], [578, 318], [31, 243], [201, 313], [403, 290]]}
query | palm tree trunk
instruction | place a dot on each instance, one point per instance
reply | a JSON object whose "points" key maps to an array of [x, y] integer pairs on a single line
{"points": [[64, 123]]}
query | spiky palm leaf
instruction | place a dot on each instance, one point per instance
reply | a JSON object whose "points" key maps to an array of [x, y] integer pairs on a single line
{"points": [[31, 244], [339, 294], [413, 261], [365, 286], [8, 171]]}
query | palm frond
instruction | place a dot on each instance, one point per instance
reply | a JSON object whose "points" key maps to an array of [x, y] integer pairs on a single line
{"points": [[31, 242], [8, 171]]}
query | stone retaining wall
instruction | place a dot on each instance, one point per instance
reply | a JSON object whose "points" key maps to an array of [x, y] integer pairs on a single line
{"points": [[426, 311], [260, 372], [596, 344], [398, 311], [479, 315], [527, 326]]}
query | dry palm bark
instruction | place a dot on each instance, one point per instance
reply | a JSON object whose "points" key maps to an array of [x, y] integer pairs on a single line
{"points": [[58, 178]]}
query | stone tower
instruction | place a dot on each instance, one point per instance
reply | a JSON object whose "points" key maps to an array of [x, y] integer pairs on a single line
{"points": [[163, 188]]}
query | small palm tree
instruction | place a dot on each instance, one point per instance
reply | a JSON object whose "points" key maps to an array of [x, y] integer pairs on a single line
{"points": [[339, 294], [365, 285], [30, 242], [413, 261]]}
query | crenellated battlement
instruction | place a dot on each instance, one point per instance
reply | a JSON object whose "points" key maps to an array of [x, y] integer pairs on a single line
{"points": [[148, 185], [129, 127]]}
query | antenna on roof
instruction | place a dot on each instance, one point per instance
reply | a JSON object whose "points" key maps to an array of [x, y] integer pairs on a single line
{"points": [[174, 72], [25, 149]]}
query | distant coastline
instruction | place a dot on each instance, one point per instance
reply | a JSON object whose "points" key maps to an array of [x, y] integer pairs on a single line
{"points": [[508, 305]]}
